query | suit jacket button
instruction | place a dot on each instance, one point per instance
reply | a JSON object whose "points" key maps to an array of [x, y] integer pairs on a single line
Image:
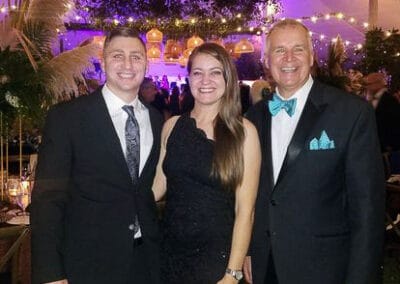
{"points": [[273, 202], [131, 227]]}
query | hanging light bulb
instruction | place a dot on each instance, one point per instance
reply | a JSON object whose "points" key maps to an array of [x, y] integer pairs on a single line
{"points": [[244, 46], [194, 41], [154, 35]]}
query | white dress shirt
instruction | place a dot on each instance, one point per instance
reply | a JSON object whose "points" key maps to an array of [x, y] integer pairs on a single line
{"points": [[119, 117], [283, 127]]}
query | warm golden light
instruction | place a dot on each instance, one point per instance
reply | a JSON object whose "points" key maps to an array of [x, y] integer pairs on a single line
{"points": [[194, 41], [154, 35], [244, 46]]}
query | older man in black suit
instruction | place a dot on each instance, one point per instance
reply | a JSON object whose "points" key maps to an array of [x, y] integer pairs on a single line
{"points": [[93, 217], [320, 209]]}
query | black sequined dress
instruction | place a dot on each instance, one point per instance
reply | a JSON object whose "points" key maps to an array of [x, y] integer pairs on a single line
{"points": [[199, 214]]}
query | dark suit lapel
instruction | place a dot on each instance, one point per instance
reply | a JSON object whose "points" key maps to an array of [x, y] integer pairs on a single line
{"points": [[311, 113], [100, 119], [267, 145]]}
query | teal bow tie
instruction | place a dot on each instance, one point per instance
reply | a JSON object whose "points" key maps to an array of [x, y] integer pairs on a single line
{"points": [[276, 104]]}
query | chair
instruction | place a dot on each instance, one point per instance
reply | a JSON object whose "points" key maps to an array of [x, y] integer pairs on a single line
{"points": [[16, 235]]}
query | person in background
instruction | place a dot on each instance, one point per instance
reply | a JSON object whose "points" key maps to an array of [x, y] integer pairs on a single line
{"points": [[164, 82], [208, 168], [356, 82], [149, 94], [319, 214], [148, 91], [260, 89], [387, 111], [173, 103], [93, 215], [186, 99]]}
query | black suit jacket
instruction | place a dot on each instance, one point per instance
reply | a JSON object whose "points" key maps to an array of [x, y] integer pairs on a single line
{"points": [[83, 198], [323, 221]]}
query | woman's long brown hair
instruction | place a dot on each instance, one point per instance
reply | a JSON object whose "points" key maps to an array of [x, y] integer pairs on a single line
{"points": [[228, 163]]}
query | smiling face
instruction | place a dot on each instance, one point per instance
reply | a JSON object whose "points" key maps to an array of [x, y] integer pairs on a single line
{"points": [[125, 65], [289, 57], [206, 79]]}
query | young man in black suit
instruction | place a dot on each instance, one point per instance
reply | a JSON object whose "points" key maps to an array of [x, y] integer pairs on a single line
{"points": [[93, 217], [320, 209]]}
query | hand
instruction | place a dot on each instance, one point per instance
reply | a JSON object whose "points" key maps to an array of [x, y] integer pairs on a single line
{"points": [[227, 280], [247, 269], [63, 281]]}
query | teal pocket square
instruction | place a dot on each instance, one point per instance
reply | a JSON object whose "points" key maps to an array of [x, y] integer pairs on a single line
{"points": [[323, 143]]}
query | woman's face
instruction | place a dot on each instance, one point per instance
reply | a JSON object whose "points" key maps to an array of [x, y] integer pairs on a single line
{"points": [[206, 79]]}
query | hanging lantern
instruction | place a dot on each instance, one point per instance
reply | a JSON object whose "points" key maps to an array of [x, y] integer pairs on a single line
{"points": [[186, 53], [173, 49], [170, 60], [154, 35], [154, 52], [230, 48], [244, 46], [194, 41]]}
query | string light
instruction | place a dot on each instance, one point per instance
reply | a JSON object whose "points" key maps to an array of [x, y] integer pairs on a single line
{"points": [[340, 16], [182, 23]]}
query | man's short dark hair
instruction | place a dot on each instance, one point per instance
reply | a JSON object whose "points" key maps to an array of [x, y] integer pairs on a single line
{"points": [[123, 32]]}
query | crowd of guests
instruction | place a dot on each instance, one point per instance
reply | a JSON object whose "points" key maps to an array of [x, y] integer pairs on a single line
{"points": [[292, 192], [171, 100]]}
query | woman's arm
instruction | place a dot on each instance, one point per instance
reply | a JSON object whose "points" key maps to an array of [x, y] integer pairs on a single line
{"points": [[246, 195], [160, 183]]}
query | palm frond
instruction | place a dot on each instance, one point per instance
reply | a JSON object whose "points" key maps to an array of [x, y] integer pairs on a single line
{"points": [[63, 71], [24, 41], [40, 37], [8, 37], [49, 12]]}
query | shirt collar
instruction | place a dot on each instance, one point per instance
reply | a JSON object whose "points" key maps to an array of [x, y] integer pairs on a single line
{"points": [[115, 104], [301, 94]]}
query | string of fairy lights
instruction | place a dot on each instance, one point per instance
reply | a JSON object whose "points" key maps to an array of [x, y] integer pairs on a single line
{"points": [[234, 25]]}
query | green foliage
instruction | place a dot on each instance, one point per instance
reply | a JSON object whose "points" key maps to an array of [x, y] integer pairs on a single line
{"points": [[21, 81], [163, 14], [382, 52]]}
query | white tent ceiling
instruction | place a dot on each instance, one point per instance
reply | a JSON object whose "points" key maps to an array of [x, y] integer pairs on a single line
{"points": [[388, 16]]}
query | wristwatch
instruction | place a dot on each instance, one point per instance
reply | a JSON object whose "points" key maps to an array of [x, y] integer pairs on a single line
{"points": [[237, 274]]}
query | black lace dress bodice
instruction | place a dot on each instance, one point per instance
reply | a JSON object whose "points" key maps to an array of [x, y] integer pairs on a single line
{"points": [[199, 213]]}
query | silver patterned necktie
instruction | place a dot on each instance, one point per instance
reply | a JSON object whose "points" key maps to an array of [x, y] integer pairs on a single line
{"points": [[132, 139]]}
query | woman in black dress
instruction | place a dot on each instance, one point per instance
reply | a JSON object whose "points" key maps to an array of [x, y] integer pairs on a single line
{"points": [[209, 169]]}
